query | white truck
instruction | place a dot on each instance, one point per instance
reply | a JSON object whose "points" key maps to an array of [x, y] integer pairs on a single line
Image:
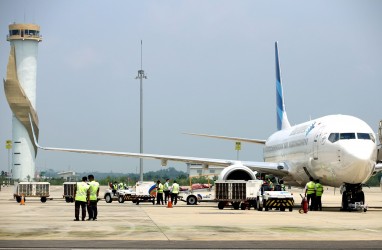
{"points": [[200, 195], [274, 199], [142, 192]]}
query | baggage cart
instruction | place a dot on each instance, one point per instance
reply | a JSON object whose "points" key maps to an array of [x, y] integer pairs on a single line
{"points": [[31, 189]]}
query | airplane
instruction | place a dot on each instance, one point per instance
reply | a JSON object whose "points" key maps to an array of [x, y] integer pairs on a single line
{"points": [[339, 150]]}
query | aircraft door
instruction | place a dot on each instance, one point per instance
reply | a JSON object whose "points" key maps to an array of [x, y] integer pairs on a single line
{"points": [[316, 143]]}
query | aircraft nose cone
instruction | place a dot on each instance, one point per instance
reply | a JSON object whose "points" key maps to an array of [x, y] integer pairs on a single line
{"points": [[360, 161]]}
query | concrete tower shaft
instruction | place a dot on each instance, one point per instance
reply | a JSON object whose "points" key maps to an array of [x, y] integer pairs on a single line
{"points": [[20, 90]]}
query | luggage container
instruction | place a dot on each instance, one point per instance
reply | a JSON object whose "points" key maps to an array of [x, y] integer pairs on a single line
{"points": [[31, 189], [69, 188], [241, 194]]}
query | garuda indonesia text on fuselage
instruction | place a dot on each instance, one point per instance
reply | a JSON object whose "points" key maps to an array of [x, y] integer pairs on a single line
{"points": [[337, 149]]}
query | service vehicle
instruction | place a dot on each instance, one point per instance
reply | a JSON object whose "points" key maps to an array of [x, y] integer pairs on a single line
{"points": [[31, 189], [142, 192], [274, 199], [192, 197], [111, 196]]}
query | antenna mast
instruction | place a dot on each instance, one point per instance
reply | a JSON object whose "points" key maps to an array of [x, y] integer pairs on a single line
{"points": [[141, 76]]}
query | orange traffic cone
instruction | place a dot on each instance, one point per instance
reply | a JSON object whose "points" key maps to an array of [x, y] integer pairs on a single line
{"points": [[22, 202], [169, 204]]}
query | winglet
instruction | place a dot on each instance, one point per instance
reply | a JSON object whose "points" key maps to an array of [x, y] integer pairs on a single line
{"points": [[282, 119]]}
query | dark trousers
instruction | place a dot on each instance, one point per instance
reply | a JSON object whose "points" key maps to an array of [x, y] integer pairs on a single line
{"points": [[311, 198], [166, 196], [77, 205], [160, 198], [174, 198], [92, 210], [318, 203]]}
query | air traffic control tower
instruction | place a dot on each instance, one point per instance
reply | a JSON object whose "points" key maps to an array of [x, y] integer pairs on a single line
{"points": [[20, 91]]}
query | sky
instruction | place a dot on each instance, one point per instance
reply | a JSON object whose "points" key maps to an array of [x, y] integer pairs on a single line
{"points": [[210, 67]]}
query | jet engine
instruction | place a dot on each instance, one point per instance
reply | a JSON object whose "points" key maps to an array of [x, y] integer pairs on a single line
{"points": [[237, 172]]}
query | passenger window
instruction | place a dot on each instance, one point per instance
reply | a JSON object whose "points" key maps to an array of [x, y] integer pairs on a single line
{"points": [[347, 136], [333, 137]]}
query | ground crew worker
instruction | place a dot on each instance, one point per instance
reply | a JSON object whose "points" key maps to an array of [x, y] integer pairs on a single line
{"points": [[115, 187], [93, 198], [81, 194], [319, 191], [270, 183], [121, 185], [282, 185], [310, 193], [159, 193], [174, 192], [166, 190]]}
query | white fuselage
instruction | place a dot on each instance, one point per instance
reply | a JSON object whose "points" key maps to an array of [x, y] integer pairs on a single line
{"points": [[336, 149]]}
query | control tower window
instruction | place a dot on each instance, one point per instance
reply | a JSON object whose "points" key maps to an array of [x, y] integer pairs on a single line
{"points": [[14, 32]]}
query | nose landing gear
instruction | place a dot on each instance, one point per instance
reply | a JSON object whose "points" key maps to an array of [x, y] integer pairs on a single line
{"points": [[353, 198]]}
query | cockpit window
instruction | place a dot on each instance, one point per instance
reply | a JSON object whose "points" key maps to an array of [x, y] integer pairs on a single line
{"points": [[347, 136], [333, 137], [365, 136]]}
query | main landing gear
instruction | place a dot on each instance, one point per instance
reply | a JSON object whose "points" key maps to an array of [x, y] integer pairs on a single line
{"points": [[353, 198]]}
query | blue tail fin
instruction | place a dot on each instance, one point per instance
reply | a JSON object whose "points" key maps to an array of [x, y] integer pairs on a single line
{"points": [[282, 119]]}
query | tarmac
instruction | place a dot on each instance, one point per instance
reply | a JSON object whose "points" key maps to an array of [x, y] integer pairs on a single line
{"points": [[126, 225]]}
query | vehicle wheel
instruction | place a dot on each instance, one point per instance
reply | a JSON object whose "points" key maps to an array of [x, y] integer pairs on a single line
{"points": [[258, 206], [191, 200], [67, 199], [71, 199], [282, 209], [121, 199], [152, 201], [236, 205], [134, 201], [108, 198], [43, 199], [221, 204], [243, 206], [290, 209], [18, 199], [344, 202], [137, 203], [361, 197], [265, 207]]}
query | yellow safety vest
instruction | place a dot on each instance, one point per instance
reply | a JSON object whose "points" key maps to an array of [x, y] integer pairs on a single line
{"points": [[165, 186], [93, 188], [175, 188], [319, 189], [160, 188], [310, 187], [82, 190]]}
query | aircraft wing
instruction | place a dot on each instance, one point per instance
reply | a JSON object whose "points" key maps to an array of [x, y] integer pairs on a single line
{"points": [[259, 141], [279, 169]]}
